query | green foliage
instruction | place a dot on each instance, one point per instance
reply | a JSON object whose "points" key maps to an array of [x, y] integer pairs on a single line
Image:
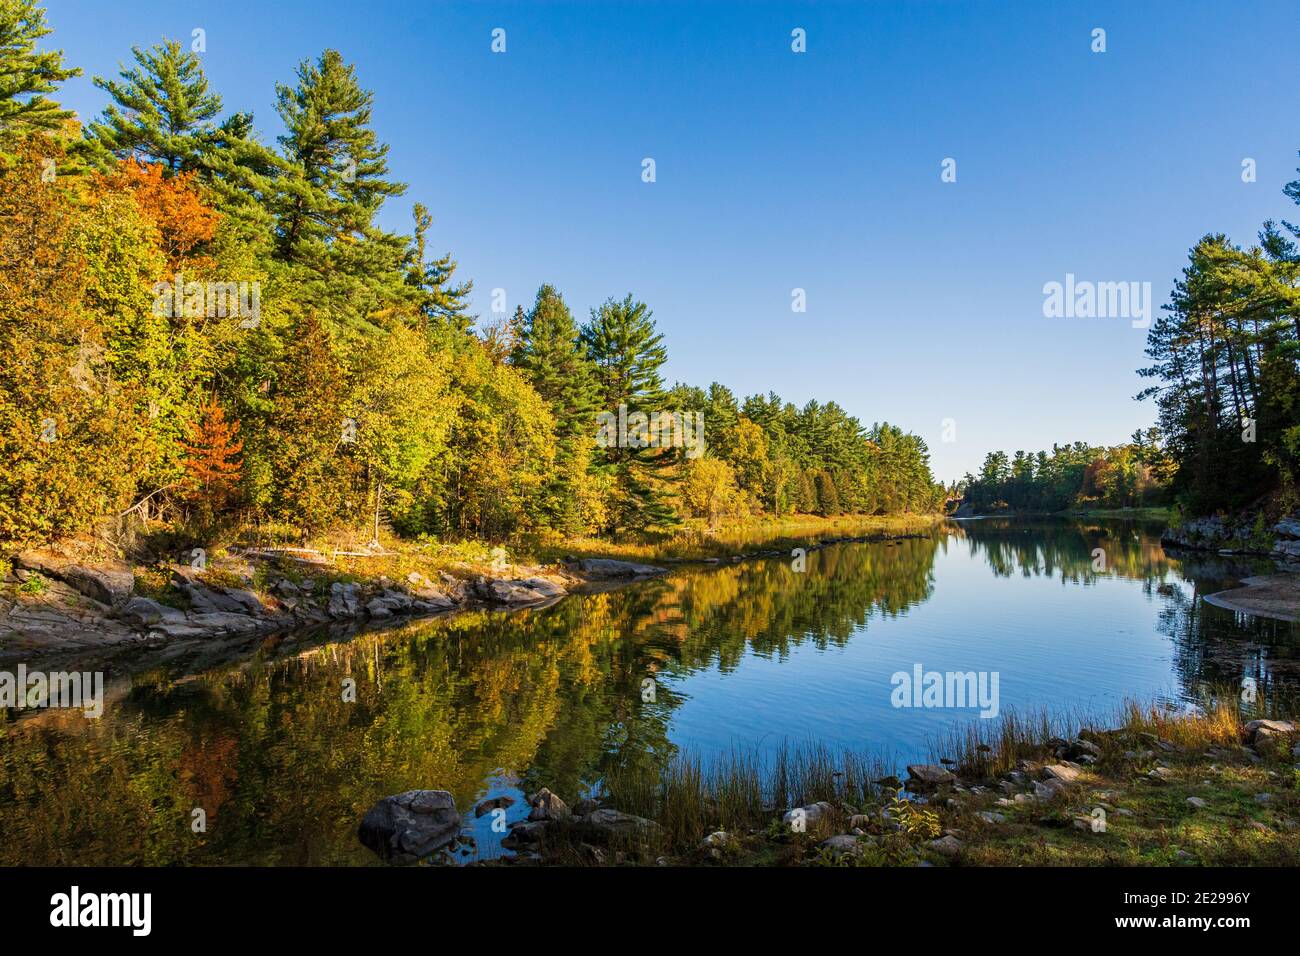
{"points": [[365, 403]]}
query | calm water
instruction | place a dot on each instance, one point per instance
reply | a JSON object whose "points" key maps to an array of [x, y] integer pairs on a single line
{"points": [[752, 654]]}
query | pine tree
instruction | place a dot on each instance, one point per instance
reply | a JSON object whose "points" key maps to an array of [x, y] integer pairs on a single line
{"points": [[335, 166], [443, 303], [548, 354], [162, 109], [627, 353], [27, 74]]}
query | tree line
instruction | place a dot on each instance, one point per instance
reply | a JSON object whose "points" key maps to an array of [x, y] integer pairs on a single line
{"points": [[1078, 475], [205, 327]]}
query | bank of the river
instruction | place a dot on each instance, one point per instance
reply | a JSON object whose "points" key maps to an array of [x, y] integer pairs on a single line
{"points": [[1158, 789], [72, 597]]}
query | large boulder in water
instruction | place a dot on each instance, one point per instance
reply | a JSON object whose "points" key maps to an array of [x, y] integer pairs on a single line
{"points": [[411, 825]]}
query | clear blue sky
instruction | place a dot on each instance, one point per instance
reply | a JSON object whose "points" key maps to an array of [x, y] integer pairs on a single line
{"points": [[821, 171]]}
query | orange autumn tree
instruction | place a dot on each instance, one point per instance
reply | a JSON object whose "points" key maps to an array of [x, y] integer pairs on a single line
{"points": [[184, 221], [211, 457]]}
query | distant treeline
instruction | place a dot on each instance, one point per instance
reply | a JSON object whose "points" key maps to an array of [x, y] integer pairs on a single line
{"points": [[1072, 476], [205, 327]]}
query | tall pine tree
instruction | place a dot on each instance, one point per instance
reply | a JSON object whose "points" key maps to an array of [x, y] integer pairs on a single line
{"points": [[27, 74], [334, 182], [627, 353]]}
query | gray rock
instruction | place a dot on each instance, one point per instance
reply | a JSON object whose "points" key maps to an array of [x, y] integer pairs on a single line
{"points": [[142, 612], [842, 844], [929, 775], [1258, 730], [1196, 803], [525, 831], [1062, 772], [111, 585], [812, 813], [988, 816], [1288, 527], [547, 806], [948, 846], [343, 600], [1048, 789], [411, 825], [607, 822], [605, 568]]}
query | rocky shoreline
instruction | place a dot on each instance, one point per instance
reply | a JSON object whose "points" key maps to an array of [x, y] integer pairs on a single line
{"points": [[1101, 798], [77, 606], [53, 602]]}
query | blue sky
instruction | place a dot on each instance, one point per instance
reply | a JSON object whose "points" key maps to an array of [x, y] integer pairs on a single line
{"points": [[820, 171]]}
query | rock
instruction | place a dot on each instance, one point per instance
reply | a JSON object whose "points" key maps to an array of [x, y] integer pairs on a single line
{"points": [[607, 822], [1258, 730], [859, 821], [343, 600], [1062, 772], [988, 816], [411, 825], [107, 584], [811, 813], [605, 568], [929, 775], [1048, 789], [222, 622], [890, 783], [493, 803], [1196, 803], [718, 844], [143, 613], [524, 831], [585, 806], [1263, 798], [1161, 774], [843, 844], [547, 806], [1288, 527], [948, 846], [1083, 748]]}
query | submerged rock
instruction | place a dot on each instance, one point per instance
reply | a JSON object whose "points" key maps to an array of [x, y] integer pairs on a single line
{"points": [[410, 825]]}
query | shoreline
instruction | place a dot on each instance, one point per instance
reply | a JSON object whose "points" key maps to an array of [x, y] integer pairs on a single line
{"points": [[1157, 788], [1275, 596], [55, 605]]}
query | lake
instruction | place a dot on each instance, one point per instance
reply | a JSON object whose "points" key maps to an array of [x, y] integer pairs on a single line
{"points": [[1069, 615]]}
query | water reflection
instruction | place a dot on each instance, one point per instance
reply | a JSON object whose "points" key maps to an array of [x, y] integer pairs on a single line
{"points": [[483, 703]]}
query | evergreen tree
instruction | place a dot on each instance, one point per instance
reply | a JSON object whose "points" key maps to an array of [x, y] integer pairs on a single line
{"points": [[627, 353], [333, 183], [27, 74], [548, 354], [162, 109], [443, 303]]}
